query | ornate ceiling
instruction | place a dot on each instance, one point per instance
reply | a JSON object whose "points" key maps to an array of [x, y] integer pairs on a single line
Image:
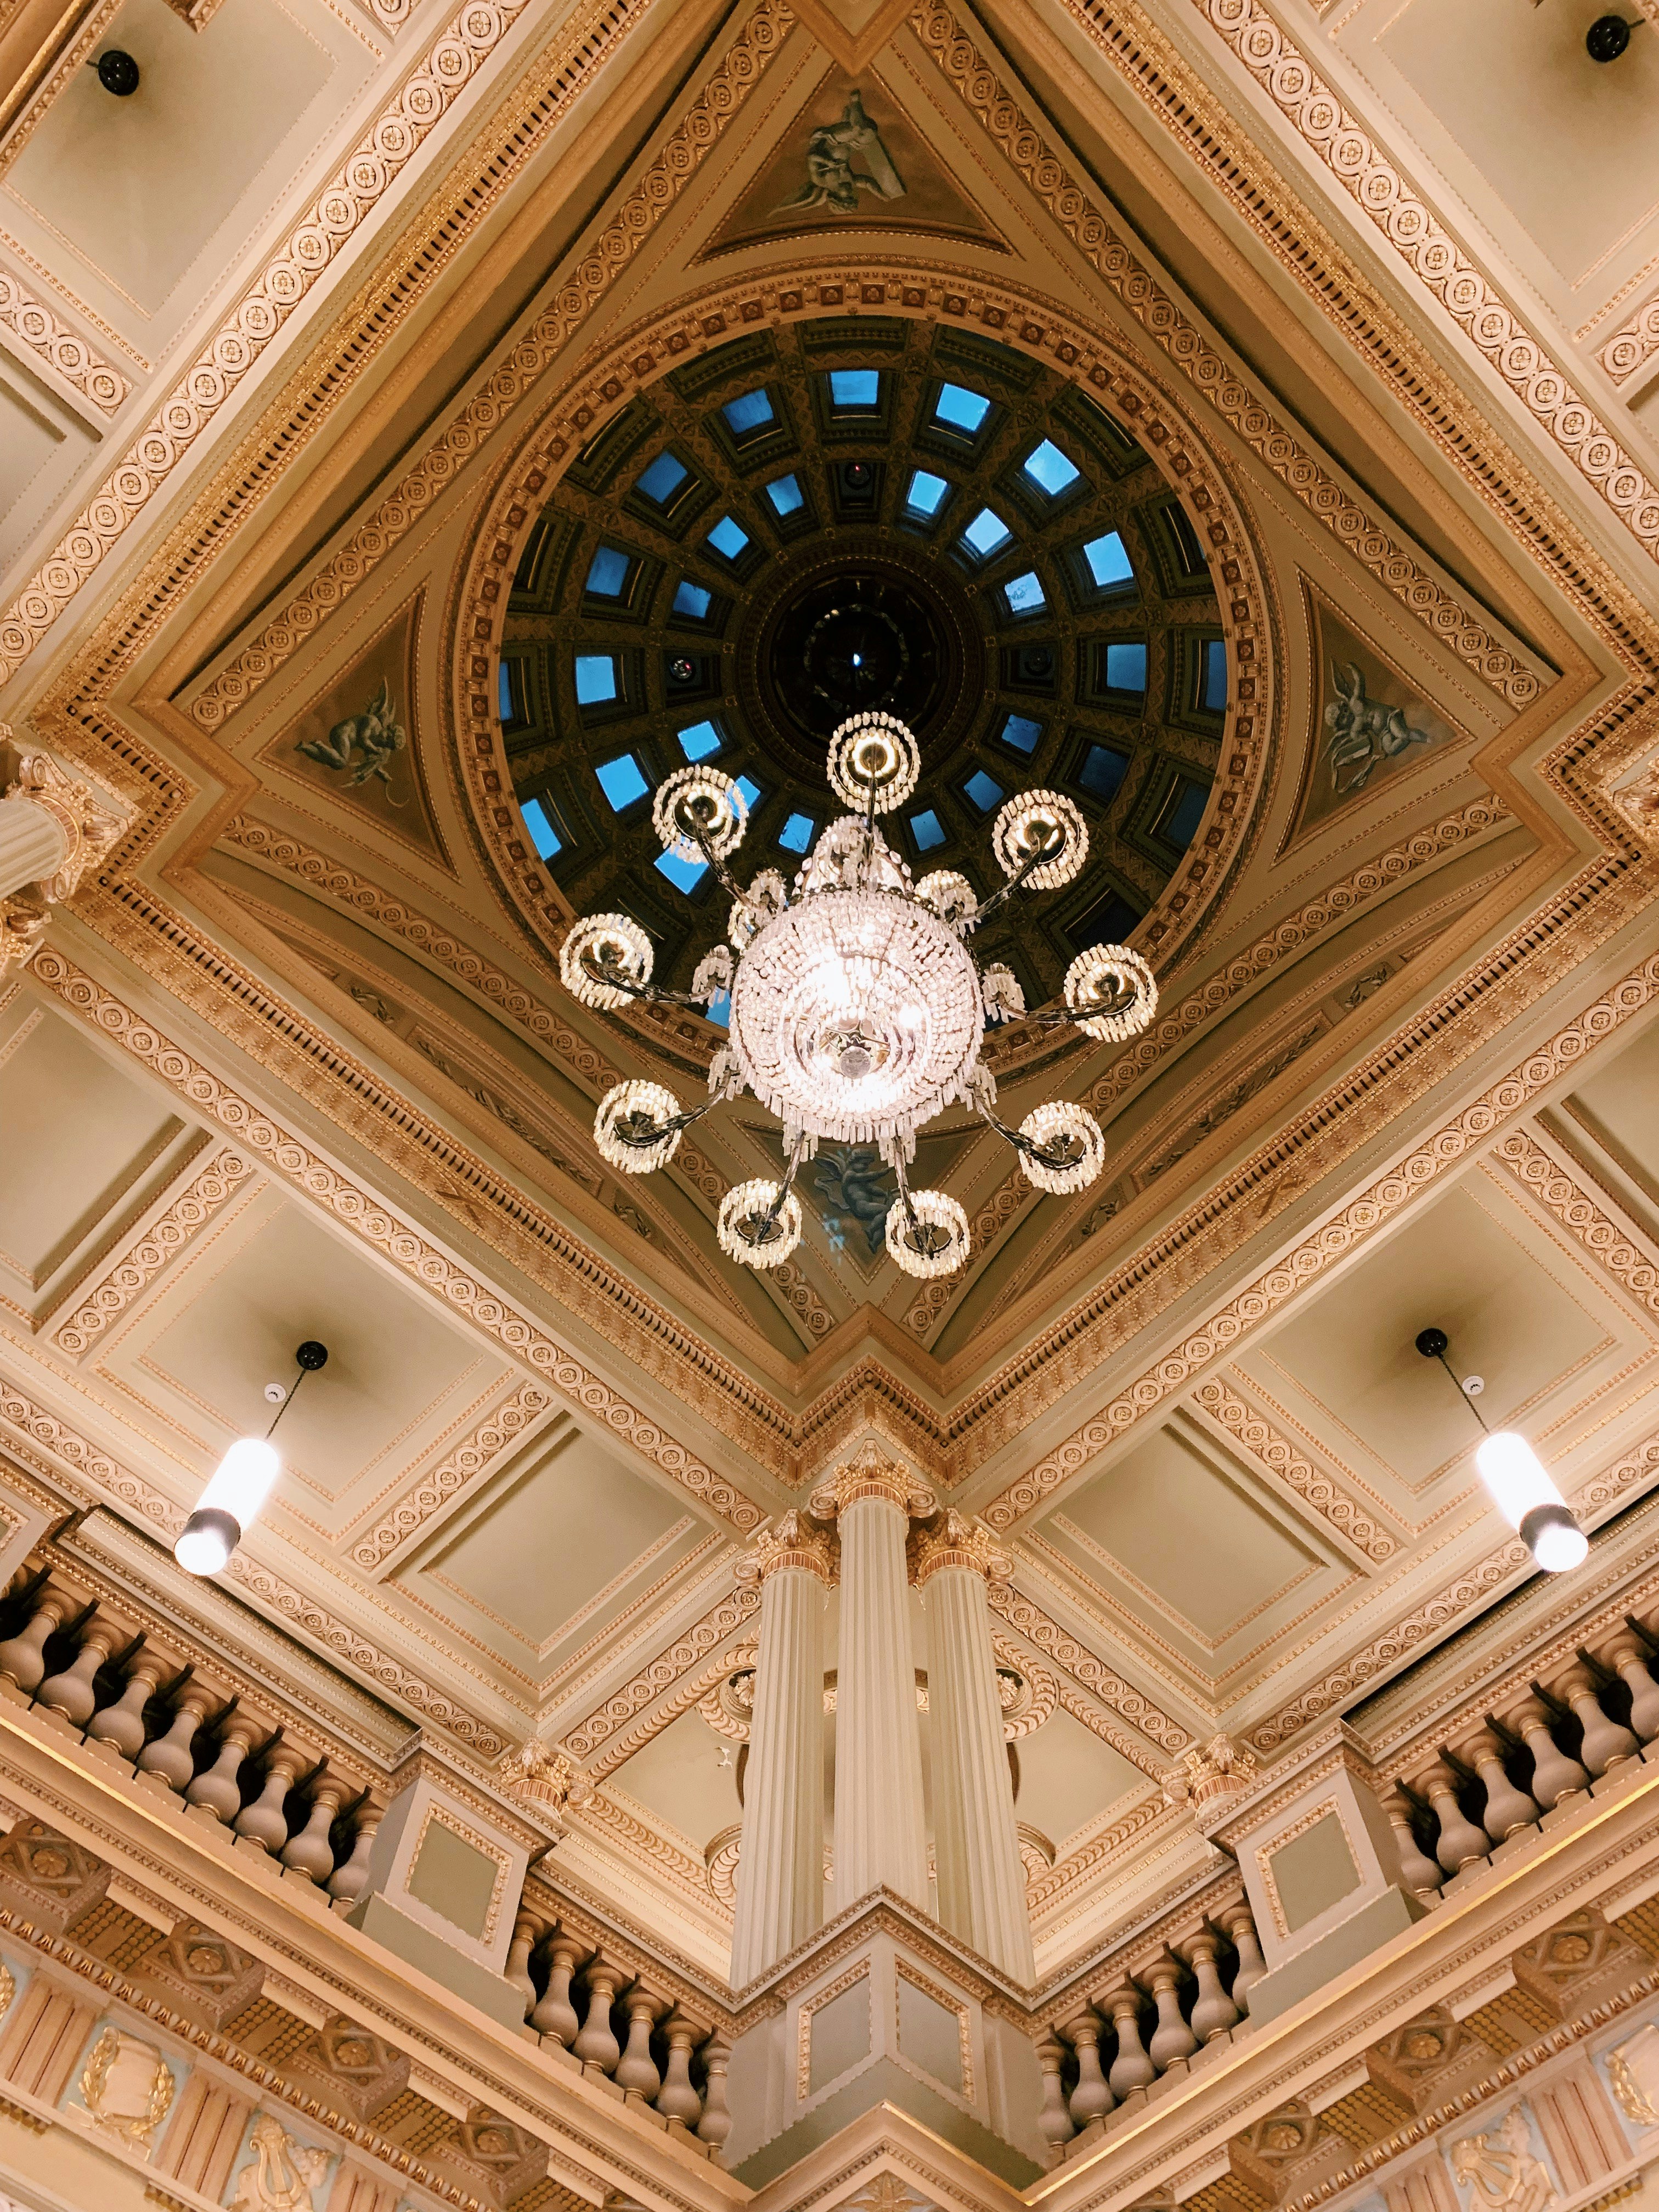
{"points": [[367, 551]]}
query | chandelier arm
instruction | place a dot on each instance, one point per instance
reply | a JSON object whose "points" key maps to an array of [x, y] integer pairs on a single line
{"points": [[1048, 851], [789, 1167], [1043, 1154], [721, 874], [647, 991], [658, 1130]]}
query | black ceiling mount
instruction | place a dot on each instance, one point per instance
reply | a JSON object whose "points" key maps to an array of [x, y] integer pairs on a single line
{"points": [[117, 72], [311, 1355], [1432, 1343], [1608, 36]]}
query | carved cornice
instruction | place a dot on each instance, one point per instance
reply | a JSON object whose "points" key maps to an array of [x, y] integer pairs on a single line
{"points": [[1247, 1429], [1633, 344], [500, 1429], [957, 1543], [793, 1543], [210, 1188], [34, 325], [871, 1473], [1089, 1672]]}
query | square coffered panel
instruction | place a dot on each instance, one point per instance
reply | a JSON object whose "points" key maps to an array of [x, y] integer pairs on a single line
{"points": [[1522, 1311], [679, 1776], [1068, 1778], [558, 1546], [84, 1144], [400, 1375]]}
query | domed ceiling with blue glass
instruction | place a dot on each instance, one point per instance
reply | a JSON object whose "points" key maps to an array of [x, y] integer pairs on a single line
{"points": [[847, 514]]}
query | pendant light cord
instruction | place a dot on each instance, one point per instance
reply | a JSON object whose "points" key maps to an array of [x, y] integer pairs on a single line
{"points": [[1434, 1343]]}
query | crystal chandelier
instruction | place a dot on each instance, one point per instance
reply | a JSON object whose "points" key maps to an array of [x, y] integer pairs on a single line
{"points": [[857, 1013]]}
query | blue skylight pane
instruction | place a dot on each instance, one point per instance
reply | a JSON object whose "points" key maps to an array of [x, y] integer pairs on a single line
{"points": [[1107, 562], [750, 410], [507, 704], [685, 875], [1101, 771], [700, 741], [796, 833], [1180, 825], [962, 410], [1212, 683], [727, 538], [785, 496], [720, 1010], [608, 573], [662, 479], [985, 532], [983, 791], [621, 780], [751, 792], [542, 836], [1024, 595], [1049, 467], [596, 678], [692, 599], [855, 387], [1020, 731], [1126, 668], [927, 492], [927, 830]]}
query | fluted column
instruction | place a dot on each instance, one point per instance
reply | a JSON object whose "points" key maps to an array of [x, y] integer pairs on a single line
{"points": [[880, 1832], [49, 833], [981, 1877], [780, 1899]]}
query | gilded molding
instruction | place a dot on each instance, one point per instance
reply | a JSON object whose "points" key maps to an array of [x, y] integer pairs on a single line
{"points": [[793, 1543], [871, 1473], [1136, 285], [208, 1188], [1092, 1674], [665, 1674], [498, 1430], [1432, 255], [1609, 1246], [421, 1262], [1245, 1428], [34, 325], [1447, 1147], [1633, 344]]}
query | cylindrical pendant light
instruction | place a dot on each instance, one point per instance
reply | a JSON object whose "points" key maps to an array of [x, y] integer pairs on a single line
{"points": [[243, 1480], [1520, 1486]]}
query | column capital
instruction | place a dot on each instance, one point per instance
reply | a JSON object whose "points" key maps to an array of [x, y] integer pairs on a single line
{"points": [[871, 1473], [790, 1542], [958, 1543], [88, 830]]}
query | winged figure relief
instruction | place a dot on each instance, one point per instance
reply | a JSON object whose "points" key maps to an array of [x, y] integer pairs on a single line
{"points": [[1362, 731], [853, 1180], [363, 745], [831, 179]]}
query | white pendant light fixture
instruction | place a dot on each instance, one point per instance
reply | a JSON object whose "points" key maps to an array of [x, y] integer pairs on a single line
{"points": [[243, 1480], [1519, 1483]]}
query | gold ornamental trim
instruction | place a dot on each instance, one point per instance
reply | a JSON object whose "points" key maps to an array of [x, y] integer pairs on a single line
{"points": [[959, 1543], [871, 1473], [792, 1544]]}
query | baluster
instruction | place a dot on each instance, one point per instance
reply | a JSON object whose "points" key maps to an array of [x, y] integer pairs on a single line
{"points": [[309, 1851], [121, 1724], [216, 1787], [1055, 2123], [70, 1691], [1213, 2010], [1555, 1778], [678, 2100], [1605, 1744], [595, 2045], [170, 1755], [636, 2069], [1092, 2098], [1252, 1966], [525, 1932], [1421, 1875], [556, 2016], [1132, 2069], [349, 1878], [21, 1659], [716, 2124], [1507, 1810], [1629, 1657], [1461, 1844], [262, 1820], [1171, 2038]]}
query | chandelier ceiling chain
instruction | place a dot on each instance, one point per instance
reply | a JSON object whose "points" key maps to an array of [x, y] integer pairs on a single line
{"points": [[857, 1011]]}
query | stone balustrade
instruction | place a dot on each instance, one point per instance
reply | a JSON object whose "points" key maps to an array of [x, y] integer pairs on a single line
{"points": [[187, 1726], [1540, 1750], [1136, 2018], [586, 2002]]}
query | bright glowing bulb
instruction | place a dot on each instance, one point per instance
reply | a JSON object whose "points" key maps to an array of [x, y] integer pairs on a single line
{"points": [[205, 1550], [1529, 1500], [230, 1504]]}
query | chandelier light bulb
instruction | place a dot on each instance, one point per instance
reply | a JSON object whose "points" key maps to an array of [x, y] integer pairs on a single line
{"points": [[1071, 1150], [1529, 1500], [628, 1127], [759, 1223], [930, 1236], [699, 800], [615, 946], [228, 1507], [1111, 992]]}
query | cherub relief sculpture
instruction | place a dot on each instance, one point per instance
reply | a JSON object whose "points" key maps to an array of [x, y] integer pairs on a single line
{"points": [[853, 1180], [831, 179], [363, 745], [1363, 733]]}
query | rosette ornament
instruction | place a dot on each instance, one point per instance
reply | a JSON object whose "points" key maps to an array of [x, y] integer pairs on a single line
{"points": [[857, 1011]]}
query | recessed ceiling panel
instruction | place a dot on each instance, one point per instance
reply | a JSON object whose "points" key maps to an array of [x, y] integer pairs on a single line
{"points": [[1068, 1777], [1619, 1104], [687, 1777]]}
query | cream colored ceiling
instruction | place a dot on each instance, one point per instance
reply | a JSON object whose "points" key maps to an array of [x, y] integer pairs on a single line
{"points": [[302, 1066]]}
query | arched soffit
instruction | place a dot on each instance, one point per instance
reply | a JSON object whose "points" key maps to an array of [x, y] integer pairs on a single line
{"points": [[1117, 642]]}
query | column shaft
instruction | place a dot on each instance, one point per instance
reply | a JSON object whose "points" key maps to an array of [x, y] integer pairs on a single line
{"points": [[981, 1877], [880, 1833], [780, 1866], [33, 844]]}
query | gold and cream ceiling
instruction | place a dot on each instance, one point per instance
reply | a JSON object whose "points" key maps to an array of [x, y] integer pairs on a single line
{"points": [[338, 367]]}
